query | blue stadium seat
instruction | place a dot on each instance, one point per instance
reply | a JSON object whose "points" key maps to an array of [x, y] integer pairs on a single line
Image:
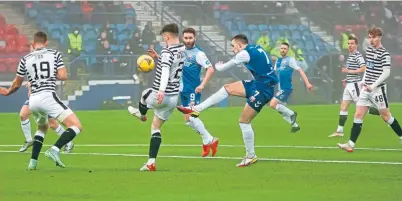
{"points": [[246, 33], [252, 27], [90, 47], [296, 35], [263, 27], [309, 45], [228, 24], [293, 27], [56, 34], [255, 35], [282, 28], [114, 48], [90, 35], [87, 27], [233, 33], [120, 27], [122, 38]]}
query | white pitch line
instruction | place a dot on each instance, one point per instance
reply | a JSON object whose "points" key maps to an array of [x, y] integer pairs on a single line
{"points": [[237, 158], [230, 146]]}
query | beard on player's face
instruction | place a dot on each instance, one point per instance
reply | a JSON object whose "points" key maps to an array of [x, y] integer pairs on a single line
{"points": [[189, 44]]}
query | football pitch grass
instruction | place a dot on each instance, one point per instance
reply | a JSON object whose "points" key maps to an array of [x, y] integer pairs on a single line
{"points": [[303, 166]]}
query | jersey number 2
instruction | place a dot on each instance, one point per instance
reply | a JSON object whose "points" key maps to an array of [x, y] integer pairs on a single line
{"points": [[266, 56], [44, 70]]}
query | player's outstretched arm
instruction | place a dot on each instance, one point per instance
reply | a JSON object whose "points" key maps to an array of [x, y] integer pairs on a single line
{"points": [[241, 58], [17, 82], [153, 53], [293, 64]]}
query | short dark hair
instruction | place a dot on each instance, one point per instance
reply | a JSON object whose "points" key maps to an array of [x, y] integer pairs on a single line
{"points": [[189, 30], [375, 31], [241, 37], [354, 39], [170, 28], [40, 37], [285, 43]]}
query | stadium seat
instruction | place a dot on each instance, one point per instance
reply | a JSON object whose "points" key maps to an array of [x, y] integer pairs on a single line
{"points": [[252, 27], [255, 35], [263, 27], [87, 27], [3, 66], [10, 29], [22, 40]]}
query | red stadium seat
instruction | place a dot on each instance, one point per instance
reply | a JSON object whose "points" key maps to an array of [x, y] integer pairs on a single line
{"points": [[22, 40], [23, 49], [10, 29]]}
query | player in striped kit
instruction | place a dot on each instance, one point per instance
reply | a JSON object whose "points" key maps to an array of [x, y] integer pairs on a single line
{"points": [[354, 66], [164, 94], [43, 67], [26, 126], [374, 89]]}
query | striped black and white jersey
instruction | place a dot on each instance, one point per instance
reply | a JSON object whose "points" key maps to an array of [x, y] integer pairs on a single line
{"points": [[377, 60], [354, 62], [41, 67], [171, 57]]}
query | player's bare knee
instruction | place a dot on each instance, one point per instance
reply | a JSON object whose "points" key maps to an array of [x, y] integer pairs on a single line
{"points": [[273, 103], [244, 119], [43, 128], [344, 106], [228, 88], [186, 117], [385, 115], [53, 124]]}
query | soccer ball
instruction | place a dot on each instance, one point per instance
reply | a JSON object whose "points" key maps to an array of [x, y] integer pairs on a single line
{"points": [[145, 63]]}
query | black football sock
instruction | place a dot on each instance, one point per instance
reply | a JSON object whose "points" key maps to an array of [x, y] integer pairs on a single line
{"points": [[356, 130], [143, 109], [342, 120], [37, 146], [65, 138], [155, 143], [395, 126]]}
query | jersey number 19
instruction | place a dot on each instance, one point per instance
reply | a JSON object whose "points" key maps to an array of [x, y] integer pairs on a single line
{"points": [[43, 71]]}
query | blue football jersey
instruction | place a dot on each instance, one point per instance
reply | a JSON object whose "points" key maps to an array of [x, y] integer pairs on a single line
{"points": [[285, 67], [259, 63], [195, 60]]}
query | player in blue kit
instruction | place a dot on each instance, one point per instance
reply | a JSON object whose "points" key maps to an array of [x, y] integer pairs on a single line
{"points": [[285, 67], [258, 91], [192, 87]]}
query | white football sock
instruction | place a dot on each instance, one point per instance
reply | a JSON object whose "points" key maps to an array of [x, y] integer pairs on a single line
{"points": [[26, 129], [212, 100], [150, 161], [60, 130], [199, 127], [284, 110], [248, 138], [351, 143], [287, 119], [339, 129]]}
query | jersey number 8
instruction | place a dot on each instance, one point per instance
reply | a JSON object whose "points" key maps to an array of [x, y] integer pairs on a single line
{"points": [[44, 70]]}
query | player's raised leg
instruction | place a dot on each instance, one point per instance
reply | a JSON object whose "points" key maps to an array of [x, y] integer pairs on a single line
{"points": [[288, 115], [26, 126], [42, 121], [58, 128], [343, 116], [233, 89], [141, 111]]}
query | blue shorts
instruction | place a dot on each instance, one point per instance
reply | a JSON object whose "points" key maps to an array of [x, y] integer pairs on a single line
{"points": [[27, 103], [283, 95], [188, 99], [262, 93]]}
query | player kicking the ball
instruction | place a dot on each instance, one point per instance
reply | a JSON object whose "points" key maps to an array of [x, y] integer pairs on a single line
{"points": [[164, 94], [43, 67], [374, 90], [285, 67], [258, 91]]}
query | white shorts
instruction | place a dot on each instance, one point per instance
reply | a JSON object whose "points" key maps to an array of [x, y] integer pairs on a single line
{"points": [[46, 104], [351, 92], [163, 110], [376, 99]]}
